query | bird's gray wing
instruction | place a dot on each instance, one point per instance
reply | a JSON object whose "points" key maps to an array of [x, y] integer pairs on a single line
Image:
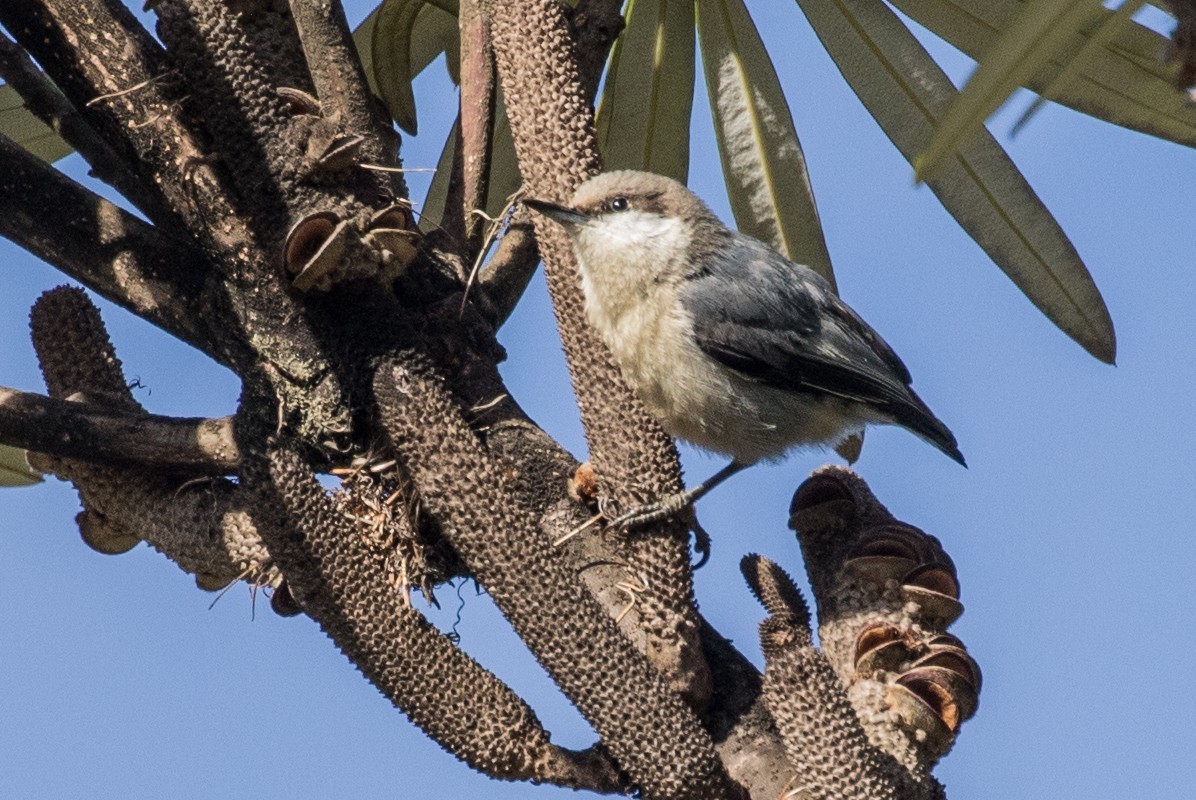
{"points": [[780, 323]]}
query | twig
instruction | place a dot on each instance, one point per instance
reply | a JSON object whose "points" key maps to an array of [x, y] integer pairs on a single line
{"points": [[510, 271], [104, 435], [496, 224], [478, 100], [103, 98], [107, 249], [383, 168], [51, 106]]}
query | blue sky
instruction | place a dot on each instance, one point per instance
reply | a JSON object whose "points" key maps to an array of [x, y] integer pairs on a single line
{"points": [[1072, 530]]}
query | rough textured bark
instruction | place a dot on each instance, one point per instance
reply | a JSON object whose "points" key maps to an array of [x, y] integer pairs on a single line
{"points": [[552, 124], [646, 727], [97, 432], [277, 246]]}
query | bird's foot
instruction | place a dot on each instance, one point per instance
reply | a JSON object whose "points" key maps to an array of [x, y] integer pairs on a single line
{"points": [[678, 504], [650, 513]]}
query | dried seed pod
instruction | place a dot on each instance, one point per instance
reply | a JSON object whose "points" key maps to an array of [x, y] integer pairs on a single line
{"points": [[315, 248], [396, 248], [940, 640], [393, 235], [937, 609], [960, 687], [935, 578], [393, 217], [213, 583], [299, 101], [306, 237], [878, 569], [283, 602], [936, 554], [881, 647], [936, 593], [821, 501], [103, 538], [954, 660], [933, 695], [340, 152], [896, 540], [927, 711]]}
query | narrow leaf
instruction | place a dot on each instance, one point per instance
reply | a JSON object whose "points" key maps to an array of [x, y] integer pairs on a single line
{"points": [[1126, 80], [15, 469], [432, 213], [19, 124], [1081, 59], [647, 101], [404, 36], [907, 93], [505, 178], [1021, 52], [762, 159]]}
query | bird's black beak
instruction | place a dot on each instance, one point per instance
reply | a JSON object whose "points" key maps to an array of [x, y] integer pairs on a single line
{"points": [[562, 214]]}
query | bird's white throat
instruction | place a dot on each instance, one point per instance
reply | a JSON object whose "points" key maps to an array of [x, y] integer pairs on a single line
{"points": [[625, 251]]}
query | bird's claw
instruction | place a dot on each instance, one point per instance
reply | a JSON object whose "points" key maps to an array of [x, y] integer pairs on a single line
{"points": [[645, 515]]}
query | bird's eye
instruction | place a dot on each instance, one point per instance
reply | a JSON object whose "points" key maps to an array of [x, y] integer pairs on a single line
{"points": [[619, 204]]}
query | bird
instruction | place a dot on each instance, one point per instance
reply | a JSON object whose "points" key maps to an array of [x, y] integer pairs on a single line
{"points": [[730, 345]]}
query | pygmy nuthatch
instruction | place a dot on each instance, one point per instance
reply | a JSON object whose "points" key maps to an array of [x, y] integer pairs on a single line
{"points": [[729, 344]]}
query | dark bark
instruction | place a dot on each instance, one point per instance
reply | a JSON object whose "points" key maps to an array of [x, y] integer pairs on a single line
{"points": [[277, 247], [98, 433]]}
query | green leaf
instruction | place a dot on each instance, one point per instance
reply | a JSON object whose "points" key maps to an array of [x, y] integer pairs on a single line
{"points": [[19, 124], [432, 214], [15, 469], [1126, 81], [907, 93], [1075, 65], [1021, 52], [647, 101], [398, 41], [505, 178], [763, 164]]}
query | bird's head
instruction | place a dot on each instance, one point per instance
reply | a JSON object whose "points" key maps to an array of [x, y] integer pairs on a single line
{"points": [[636, 220]]}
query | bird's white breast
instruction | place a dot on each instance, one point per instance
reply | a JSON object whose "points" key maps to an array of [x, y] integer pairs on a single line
{"points": [[631, 288]]}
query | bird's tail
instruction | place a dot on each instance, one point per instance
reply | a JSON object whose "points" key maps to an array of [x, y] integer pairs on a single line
{"points": [[917, 417]]}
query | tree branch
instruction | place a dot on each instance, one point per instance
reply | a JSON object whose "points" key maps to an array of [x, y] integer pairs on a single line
{"points": [[648, 730], [636, 461], [339, 579], [107, 249], [479, 95], [510, 270], [92, 431], [115, 75], [51, 106]]}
